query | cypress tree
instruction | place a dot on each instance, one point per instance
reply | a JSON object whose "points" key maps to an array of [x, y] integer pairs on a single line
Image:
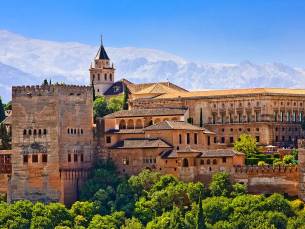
{"points": [[2, 113], [93, 90], [200, 224], [201, 121], [125, 99], [5, 138]]}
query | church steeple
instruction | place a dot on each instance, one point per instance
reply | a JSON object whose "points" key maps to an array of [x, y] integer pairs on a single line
{"points": [[101, 54], [101, 71]]}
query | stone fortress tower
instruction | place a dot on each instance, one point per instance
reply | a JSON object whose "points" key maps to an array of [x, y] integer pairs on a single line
{"points": [[52, 142], [101, 71]]}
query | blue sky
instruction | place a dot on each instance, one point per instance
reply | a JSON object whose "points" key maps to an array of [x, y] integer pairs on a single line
{"points": [[224, 31]]}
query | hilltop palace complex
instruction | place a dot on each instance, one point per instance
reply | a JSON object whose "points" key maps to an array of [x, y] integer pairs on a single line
{"points": [[168, 129]]}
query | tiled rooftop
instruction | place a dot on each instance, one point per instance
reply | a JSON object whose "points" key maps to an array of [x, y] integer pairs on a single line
{"points": [[146, 112], [141, 143]]}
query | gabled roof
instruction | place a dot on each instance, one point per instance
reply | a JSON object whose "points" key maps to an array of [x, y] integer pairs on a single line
{"points": [[200, 153], [115, 89], [141, 143], [156, 89], [147, 112], [234, 92], [176, 125], [133, 88]]}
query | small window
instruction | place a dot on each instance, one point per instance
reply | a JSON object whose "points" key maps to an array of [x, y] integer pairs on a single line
{"points": [[180, 139], [30, 132], [208, 161], [45, 131], [35, 158], [222, 139], [195, 138], [82, 157], [108, 139], [25, 159], [75, 158], [214, 162], [215, 139], [24, 132], [35, 132], [231, 139], [44, 158], [68, 131], [69, 157], [201, 162], [209, 140], [81, 131], [257, 138], [188, 138], [39, 132], [224, 160]]}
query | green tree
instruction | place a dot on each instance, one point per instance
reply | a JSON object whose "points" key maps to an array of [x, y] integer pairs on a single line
{"points": [[220, 184], [216, 209], [5, 138], [100, 108], [289, 160], [132, 223], [113, 221], [125, 98], [246, 144], [200, 224], [2, 113], [8, 106], [238, 189], [83, 212], [115, 103], [45, 82], [262, 163], [278, 219]]}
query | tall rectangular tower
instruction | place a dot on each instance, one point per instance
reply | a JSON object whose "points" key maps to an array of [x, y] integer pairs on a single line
{"points": [[52, 137]]}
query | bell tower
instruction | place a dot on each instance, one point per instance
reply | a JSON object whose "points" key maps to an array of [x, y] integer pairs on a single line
{"points": [[101, 71]]}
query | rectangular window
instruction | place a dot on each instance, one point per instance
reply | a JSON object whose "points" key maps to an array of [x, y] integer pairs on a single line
{"points": [[34, 158], [239, 117], [224, 160], [108, 139], [213, 118], [75, 158], [222, 118], [231, 139], [125, 161], [180, 139], [82, 157], [25, 159], [275, 116], [283, 138], [215, 140], [222, 139], [44, 158], [294, 116], [209, 140], [188, 138], [69, 157], [195, 138], [248, 118], [257, 138], [231, 118], [300, 116], [257, 116], [276, 138], [282, 116]]}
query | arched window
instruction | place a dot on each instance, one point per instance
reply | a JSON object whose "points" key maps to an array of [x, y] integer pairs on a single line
{"points": [[39, 132], [130, 124], [81, 131], [105, 76], [35, 132], [68, 130], [122, 124], [185, 163], [93, 77], [74, 131], [208, 161], [24, 132], [30, 132], [110, 76], [214, 162], [45, 131], [139, 124]]}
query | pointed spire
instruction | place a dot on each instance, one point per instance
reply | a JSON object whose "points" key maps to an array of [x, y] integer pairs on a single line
{"points": [[101, 54]]}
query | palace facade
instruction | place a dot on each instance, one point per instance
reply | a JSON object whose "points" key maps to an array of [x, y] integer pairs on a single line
{"points": [[167, 128]]}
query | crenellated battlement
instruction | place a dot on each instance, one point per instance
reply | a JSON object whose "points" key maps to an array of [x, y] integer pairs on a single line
{"points": [[49, 90], [268, 169]]}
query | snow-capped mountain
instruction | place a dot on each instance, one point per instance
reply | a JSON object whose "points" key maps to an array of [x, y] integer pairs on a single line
{"points": [[28, 61]]}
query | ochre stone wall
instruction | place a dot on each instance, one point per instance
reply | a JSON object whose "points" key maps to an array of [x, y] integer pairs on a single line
{"points": [[52, 130]]}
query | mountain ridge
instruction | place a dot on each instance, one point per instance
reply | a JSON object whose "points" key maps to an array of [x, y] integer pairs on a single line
{"points": [[32, 60]]}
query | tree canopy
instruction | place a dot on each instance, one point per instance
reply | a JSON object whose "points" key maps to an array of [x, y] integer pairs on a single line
{"points": [[246, 144]]}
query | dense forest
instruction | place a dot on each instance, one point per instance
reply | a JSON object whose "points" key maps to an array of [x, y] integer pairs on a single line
{"points": [[154, 201]]}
